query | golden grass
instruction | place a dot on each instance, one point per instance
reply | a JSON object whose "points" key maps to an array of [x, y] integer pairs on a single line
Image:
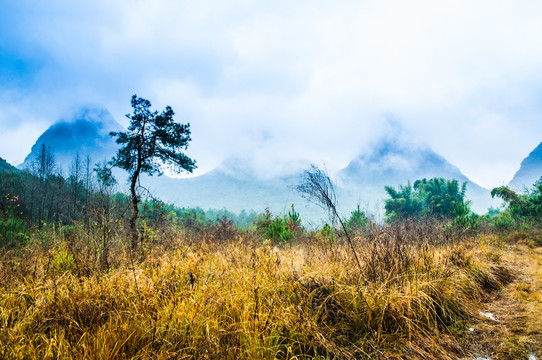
{"points": [[516, 332], [246, 299]]}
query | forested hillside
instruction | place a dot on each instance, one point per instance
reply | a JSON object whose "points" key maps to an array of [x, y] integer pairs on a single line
{"points": [[5, 166]]}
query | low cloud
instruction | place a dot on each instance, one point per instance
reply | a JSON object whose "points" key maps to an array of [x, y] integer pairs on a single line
{"points": [[304, 80]]}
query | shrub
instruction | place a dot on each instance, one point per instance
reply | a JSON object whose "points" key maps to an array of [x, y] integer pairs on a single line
{"points": [[326, 235], [357, 221], [294, 221], [63, 261], [436, 198], [504, 221], [522, 207], [13, 231], [69, 232], [263, 220], [464, 219], [224, 229], [279, 232]]}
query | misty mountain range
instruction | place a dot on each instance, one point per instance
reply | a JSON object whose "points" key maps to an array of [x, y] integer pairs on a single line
{"points": [[392, 160]]}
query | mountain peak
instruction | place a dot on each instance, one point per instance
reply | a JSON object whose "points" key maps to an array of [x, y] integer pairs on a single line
{"points": [[530, 170], [99, 116], [86, 132], [397, 160]]}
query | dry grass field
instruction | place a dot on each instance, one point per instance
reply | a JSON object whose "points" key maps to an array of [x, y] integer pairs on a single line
{"points": [[196, 295]]}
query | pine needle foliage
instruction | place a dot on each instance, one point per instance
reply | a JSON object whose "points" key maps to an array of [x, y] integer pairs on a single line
{"points": [[153, 140]]}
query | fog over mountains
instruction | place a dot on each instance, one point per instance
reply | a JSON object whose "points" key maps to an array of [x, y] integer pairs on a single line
{"points": [[394, 160], [390, 160], [86, 133]]}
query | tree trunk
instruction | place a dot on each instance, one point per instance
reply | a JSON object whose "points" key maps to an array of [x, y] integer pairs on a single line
{"points": [[135, 213]]}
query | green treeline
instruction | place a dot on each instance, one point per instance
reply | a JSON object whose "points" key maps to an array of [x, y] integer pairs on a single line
{"points": [[445, 200], [41, 196]]}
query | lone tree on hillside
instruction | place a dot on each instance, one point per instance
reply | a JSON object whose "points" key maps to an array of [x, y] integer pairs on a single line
{"points": [[153, 140]]}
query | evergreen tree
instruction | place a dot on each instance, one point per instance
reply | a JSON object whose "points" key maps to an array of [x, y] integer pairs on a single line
{"points": [[404, 203], [436, 198], [441, 196], [522, 206], [153, 139]]}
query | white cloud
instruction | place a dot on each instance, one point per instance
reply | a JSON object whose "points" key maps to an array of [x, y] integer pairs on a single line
{"points": [[309, 79]]}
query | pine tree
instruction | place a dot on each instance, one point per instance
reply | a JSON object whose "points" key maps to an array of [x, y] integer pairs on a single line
{"points": [[153, 140]]}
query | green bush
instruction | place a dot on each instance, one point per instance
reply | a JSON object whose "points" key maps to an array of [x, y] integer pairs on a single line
{"points": [[435, 198], [294, 221], [13, 232], [63, 261], [522, 207], [464, 219], [357, 221], [278, 231], [326, 235], [263, 221], [13, 229], [504, 221], [404, 203], [69, 232]]}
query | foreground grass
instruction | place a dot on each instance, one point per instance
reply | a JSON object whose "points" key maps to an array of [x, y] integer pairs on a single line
{"points": [[413, 297]]}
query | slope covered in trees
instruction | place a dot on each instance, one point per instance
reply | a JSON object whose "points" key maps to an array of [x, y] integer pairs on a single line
{"points": [[529, 171], [86, 132], [5, 166]]}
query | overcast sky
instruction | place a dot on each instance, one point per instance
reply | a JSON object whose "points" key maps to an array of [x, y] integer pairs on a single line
{"points": [[285, 80]]}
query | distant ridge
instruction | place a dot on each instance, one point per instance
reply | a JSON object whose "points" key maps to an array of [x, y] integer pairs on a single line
{"points": [[5, 166], [393, 161], [529, 172], [87, 133], [236, 185]]}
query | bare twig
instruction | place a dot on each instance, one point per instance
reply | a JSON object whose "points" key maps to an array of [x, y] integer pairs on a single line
{"points": [[318, 188]]}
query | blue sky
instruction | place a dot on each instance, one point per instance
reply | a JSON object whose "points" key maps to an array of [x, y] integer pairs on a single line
{"points": [[284, 80]]}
